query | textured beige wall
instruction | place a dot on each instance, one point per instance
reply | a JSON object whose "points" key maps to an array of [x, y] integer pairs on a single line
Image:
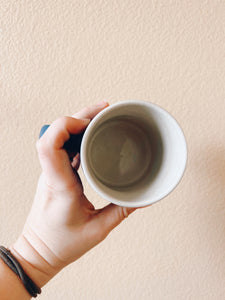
{"points": [[58, 56]]}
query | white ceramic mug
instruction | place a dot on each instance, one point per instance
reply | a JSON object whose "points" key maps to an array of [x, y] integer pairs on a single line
{"points": [[133, 153]]}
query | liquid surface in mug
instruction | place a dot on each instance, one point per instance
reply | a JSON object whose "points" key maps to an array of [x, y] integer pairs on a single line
{"points": [[120, 152]]}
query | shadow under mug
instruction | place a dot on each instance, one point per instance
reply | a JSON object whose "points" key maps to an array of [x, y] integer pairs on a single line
{"points": [[133, 153]]}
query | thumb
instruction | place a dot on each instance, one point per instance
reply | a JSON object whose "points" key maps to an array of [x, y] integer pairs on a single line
{"points": [[110, 216]]}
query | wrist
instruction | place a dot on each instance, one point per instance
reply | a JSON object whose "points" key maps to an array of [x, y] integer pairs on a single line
{"points": [[34, 265]]}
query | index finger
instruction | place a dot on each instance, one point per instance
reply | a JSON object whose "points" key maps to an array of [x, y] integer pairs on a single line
{"points": [[91, 111], [53, 158]]}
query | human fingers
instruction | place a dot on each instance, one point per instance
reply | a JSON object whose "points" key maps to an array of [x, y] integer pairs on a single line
{"points": [[107, 218], [91, 111], [53, 158], [76, 162]]}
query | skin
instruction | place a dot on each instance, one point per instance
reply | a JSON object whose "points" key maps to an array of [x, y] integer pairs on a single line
{"points": [[62, 224]]}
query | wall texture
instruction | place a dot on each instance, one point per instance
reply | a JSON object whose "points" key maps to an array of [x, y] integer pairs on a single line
{"points": [[59, 56]]}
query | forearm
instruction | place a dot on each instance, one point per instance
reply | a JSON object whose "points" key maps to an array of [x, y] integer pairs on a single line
{"points": [[38, 270]]}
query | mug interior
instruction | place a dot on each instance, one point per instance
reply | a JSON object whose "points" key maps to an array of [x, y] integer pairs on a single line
{"points": [[142, 145], [119, 152]]}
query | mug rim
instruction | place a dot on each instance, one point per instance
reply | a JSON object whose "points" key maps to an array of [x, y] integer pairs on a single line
{"points": [[89, 177]]}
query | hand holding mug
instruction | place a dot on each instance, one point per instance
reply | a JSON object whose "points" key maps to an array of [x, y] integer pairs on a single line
{"points": [[62, 224]]}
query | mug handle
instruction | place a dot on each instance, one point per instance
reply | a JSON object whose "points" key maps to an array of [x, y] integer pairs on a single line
{"points": [[72, 146]]}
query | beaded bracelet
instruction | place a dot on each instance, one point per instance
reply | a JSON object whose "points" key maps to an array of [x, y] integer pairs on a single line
{"points": [[16, 267]]}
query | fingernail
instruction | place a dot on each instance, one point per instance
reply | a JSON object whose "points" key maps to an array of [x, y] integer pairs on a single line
{"points": [[102, 104], [76, 161]]}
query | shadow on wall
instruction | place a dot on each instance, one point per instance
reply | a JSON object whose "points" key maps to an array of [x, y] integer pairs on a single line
{"points": [[211, 206]]}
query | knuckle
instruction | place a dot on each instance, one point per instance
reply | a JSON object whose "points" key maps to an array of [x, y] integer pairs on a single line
{"points": [[42, 148], [39, 145], [61, 121], [123, 213]]}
